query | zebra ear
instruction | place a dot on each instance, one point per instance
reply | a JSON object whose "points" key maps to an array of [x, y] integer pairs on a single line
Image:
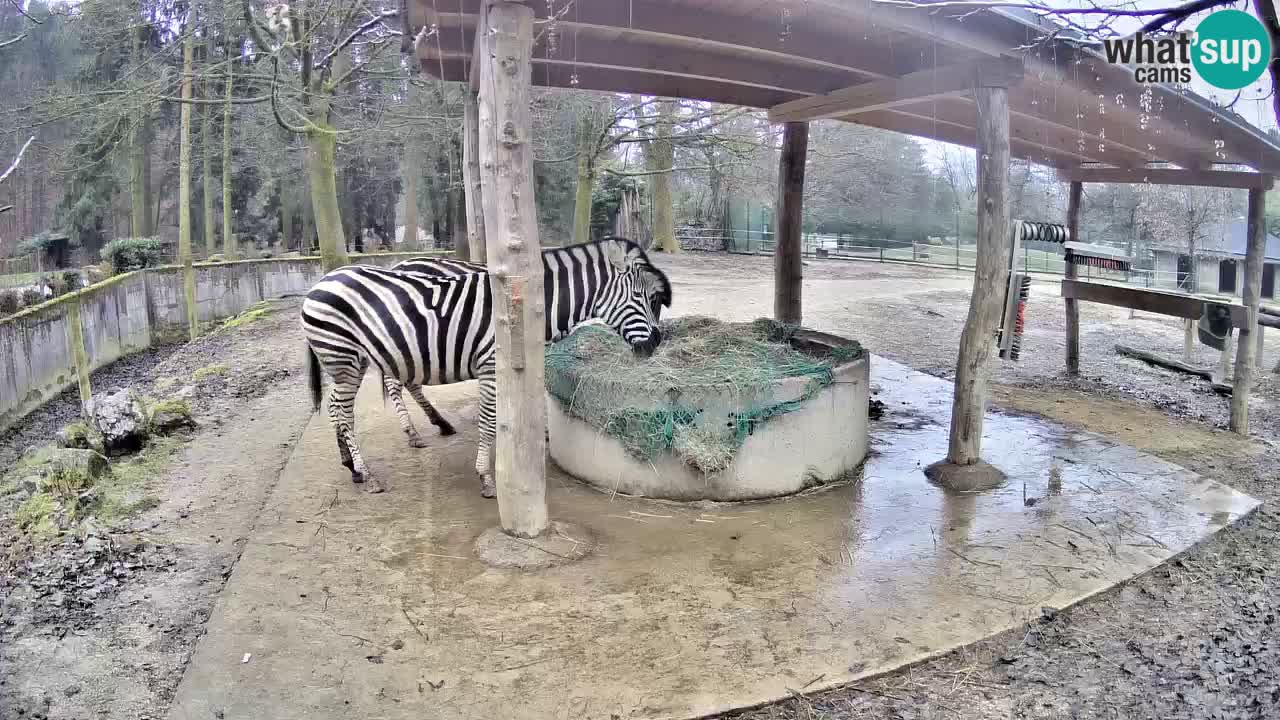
{"points": [[616, 252]]}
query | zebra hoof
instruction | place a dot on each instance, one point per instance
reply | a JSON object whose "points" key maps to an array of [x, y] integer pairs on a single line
{"points": [[487, 489], [357, 477], [375, 486], [417, 442], [446, 429]]}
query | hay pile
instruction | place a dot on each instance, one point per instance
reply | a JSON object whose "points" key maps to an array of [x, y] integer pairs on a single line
{"points": [[592, 369]]}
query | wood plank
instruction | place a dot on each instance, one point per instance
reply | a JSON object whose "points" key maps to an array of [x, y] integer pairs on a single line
{"points": [[1252, 296], [788, 272], [911, 88], [515, 269], [595, 49], [471, 184], [1072, 307], [1168, 176], [960, 134], [1161, 302], [969, 401]]}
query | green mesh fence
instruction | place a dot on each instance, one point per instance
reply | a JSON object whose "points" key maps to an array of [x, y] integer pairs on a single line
{"points": [[592, 371]]}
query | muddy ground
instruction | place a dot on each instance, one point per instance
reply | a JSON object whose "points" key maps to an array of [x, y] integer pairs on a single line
{"points": [[1195, 638]]}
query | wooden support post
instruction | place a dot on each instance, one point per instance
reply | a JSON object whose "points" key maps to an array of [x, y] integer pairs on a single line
{"points": [[1069, 271], [963, 469], [1224, 361], [471, 176], [1253, 261], [788, 273], [515, 265], [79, 355], [1188, 339], [1258, 357]]}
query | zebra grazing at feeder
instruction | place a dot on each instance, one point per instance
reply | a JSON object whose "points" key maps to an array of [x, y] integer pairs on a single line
{"points": [[424, 329]]}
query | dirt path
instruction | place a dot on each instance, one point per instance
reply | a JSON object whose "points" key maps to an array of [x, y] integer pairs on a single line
{"points": [[1194, 639], [123, 655]]}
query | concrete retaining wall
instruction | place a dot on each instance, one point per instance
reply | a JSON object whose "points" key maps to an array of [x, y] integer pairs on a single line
{"points": [[132, 312]]}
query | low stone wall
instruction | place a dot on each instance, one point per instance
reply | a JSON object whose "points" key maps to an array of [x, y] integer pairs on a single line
{"points": [[48, 348]]}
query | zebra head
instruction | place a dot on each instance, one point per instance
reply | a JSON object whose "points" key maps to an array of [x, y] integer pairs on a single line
{"points": [[633, 298]]}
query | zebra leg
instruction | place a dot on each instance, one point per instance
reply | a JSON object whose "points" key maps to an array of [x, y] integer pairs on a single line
{"points": [[445, 427], [484, 451], [394, 393], [342, 396]]}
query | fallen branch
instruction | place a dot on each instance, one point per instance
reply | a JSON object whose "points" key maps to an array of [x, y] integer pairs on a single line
{"points": [[1269, 310], [18, 159], [1167, 363], [1177, 365]]}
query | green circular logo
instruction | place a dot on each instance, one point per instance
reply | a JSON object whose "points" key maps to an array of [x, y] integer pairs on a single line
{"points": [[1232, 49]]}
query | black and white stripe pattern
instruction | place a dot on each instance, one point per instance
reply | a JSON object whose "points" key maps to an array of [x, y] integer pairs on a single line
{"points": [[429, 321]]}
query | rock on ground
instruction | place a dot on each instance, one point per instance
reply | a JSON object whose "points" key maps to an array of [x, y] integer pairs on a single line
{"points": [[121, 418]]}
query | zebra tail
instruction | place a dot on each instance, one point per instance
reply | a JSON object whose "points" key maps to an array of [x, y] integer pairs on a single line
{"points": [[313, 371]]}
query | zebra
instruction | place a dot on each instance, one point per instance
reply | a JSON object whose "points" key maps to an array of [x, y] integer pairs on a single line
{"points": [[392, 389], [423, 329]]}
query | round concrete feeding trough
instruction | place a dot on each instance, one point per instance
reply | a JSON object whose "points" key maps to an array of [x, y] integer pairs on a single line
{"points": [[711, 435]]}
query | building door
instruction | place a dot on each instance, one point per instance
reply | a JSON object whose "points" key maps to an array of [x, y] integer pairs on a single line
{"points": [[1184, 273], [1227, 277], [1268, 280]]}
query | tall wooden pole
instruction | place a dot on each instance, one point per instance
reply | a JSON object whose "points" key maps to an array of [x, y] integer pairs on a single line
{"points": [[515, 265], [1253, 260], [471, 176], [788, 273], [184, 190], [962, 469], [1069, 271]]}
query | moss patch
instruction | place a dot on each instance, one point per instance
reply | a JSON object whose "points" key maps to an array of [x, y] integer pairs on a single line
{"points": [[209, 371], [128, 491], [254, 313], [36, 515]]}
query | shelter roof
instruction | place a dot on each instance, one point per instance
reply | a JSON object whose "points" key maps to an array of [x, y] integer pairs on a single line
{"points": [[1071, 107]]}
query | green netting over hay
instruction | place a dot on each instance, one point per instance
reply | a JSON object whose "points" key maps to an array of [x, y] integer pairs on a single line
{"points": [[592, 370]]}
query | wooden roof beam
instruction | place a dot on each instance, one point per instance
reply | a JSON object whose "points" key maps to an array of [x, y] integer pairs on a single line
{"points": [[906, 90], [961, 134], [1168, 176]]}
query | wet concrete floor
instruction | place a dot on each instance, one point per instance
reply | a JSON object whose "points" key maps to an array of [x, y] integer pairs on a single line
{"points": [[349, 605]]}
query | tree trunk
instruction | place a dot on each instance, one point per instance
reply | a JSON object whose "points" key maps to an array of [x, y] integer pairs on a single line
{"points": [[140, 179], [471, 177], [586, 176], [228, 237], [206, 140], [184, 191], [992, 262], [287, 208], [307, 241], [321, 150], [1252, 297], [1069, 272], [140, 159], [787, 269], [409, 171], [516, 268], [661, 157]]}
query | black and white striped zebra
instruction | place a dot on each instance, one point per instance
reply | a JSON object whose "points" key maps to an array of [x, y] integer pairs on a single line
{"points": [[428, 329]]}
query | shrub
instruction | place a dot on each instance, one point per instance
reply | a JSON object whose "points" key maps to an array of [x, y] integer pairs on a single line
{"points": [[31, 297], [128, 254], [10, 302], [72, 280]]}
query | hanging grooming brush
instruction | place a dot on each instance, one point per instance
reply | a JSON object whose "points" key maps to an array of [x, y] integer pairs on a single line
{"points": [[1010, 341], [1100, 256]]}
